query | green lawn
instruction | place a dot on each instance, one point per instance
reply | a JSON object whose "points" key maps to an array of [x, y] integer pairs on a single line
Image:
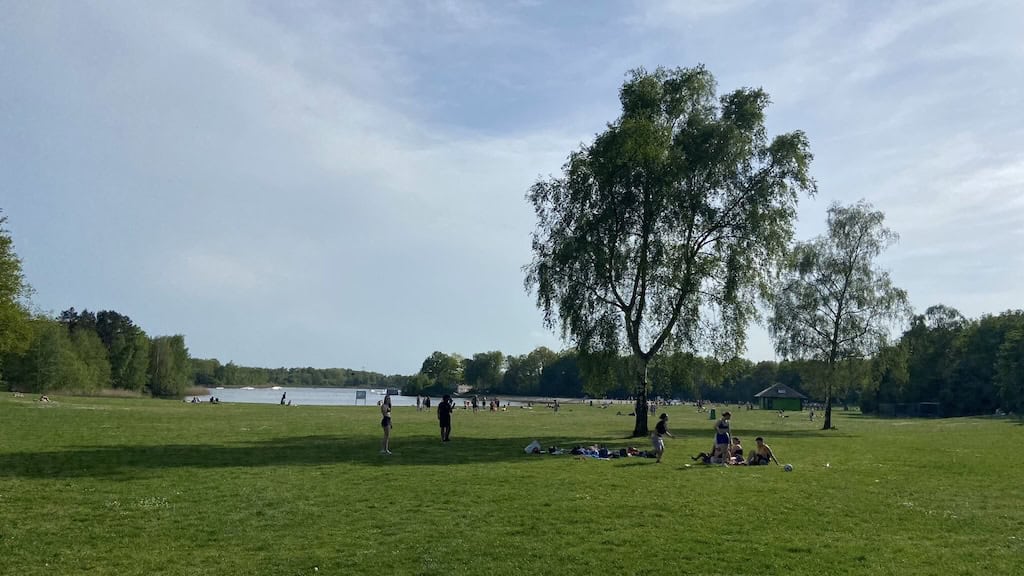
{"points": [[132, 486]]}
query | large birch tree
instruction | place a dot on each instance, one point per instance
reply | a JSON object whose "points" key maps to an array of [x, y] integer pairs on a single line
{"points": [[660, 234]]}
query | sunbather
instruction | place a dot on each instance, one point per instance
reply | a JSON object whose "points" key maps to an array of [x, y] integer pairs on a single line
{"points": [[762, 454]]}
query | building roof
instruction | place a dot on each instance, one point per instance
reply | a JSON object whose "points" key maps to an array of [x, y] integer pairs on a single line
{"points": [[779, 391]]}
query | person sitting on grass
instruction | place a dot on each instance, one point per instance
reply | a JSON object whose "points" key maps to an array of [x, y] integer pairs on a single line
{"points": [[762, 455], [737, 452]]}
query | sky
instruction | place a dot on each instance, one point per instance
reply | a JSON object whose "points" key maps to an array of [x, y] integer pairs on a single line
{"points": [[342, 184]]}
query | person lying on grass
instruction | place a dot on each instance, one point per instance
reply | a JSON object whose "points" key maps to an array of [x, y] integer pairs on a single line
{"points": [[714, 456], [762, 455]]}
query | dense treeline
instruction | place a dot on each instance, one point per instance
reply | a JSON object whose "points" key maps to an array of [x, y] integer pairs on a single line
{"points": [[546, 373], [211, 373], [968, 366], [87, 352]]}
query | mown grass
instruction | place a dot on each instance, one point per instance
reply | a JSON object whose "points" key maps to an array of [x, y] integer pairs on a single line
{"points": [[136, 486]]}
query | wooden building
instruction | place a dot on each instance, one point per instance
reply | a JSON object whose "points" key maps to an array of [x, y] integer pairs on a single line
{"points": [[780, 397]]}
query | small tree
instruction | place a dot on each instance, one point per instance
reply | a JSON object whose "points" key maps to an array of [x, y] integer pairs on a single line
{"points": [[659, 234], [833, 303]]}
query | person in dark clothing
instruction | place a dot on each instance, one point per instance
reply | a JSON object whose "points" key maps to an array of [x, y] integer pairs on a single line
{"points": [[657, 439], [444, 417], [385, 424]]}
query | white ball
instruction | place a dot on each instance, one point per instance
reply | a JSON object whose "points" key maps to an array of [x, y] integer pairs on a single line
{"points": [[788, 467]]}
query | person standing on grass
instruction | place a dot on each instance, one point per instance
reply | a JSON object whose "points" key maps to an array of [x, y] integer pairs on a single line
{"points": [[723, 435], [385, 423], [444, 417], [657, 439]]}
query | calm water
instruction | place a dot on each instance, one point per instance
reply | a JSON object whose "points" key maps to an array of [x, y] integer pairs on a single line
{"points": [[309, 396], [347, 397]]}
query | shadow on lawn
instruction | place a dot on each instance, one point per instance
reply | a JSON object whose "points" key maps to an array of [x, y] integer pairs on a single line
{"points": [[127, 461]]}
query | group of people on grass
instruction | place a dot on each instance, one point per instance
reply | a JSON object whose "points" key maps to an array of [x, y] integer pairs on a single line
{"points": [[444, 419], [727, 448], [196, 400]]}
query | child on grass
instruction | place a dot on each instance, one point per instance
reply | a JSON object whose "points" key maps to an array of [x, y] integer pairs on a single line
{"points": [[657, 439]]}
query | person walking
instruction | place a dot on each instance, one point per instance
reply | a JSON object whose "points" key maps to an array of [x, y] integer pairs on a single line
{"points": [[444, 417], [385, 423], [657, 439]]}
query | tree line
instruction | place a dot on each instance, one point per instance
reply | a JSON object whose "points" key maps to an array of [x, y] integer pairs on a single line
{"points": [[86, 352], [968, 366]]}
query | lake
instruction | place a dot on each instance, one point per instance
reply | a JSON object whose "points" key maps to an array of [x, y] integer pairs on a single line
{"points": [[308, 396], [339, 397]]}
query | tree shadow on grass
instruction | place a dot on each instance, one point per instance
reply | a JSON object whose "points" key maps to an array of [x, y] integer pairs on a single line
{"points": [[131, 461]]}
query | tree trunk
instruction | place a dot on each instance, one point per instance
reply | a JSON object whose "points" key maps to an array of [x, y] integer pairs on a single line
{"points": [[640, 429], [827, 425]]}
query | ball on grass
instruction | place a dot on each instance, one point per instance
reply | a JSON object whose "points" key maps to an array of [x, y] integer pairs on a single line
{"points": [[788, 467]]}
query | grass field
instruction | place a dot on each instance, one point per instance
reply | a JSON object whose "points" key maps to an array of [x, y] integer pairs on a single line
{"points": [[135, 486]]}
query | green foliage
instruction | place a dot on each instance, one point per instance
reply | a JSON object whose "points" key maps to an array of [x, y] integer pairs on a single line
{"points": [[56, 360], [483, 372], [128, 349], [1010, 371], [169, 368], [14, 293], [92, 366], [833, 304], [562, 377], [661, 232], [444, 372], [204, 372], [416, 385], [522, 374], [969, 366]]}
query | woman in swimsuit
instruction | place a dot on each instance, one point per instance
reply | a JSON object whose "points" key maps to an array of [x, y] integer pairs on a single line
{"points": [[385, 423]]}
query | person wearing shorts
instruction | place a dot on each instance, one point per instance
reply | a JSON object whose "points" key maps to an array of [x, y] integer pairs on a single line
{"points": [[658, 438], [723, 435]]}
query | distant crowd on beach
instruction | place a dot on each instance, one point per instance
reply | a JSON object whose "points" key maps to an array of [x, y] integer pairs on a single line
{"points": [[196, 400]]}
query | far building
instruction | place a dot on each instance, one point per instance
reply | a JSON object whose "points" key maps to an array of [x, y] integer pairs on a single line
{"points": [[781, 397]]}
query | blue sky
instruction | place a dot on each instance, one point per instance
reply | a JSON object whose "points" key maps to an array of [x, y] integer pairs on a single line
{"points": [[342, 183]]}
